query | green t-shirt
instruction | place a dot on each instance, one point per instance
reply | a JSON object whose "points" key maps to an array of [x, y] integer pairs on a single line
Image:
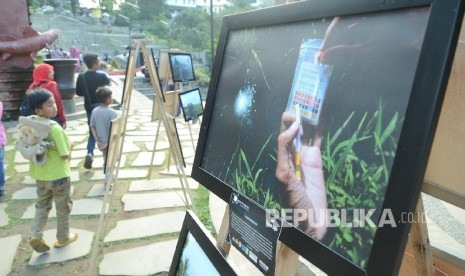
{"points": [[55, 167]]}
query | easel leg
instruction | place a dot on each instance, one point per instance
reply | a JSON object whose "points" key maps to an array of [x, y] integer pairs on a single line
{"points": [[190, 132], [420, 242], [223, 233], [154, 149], [286, 260]]}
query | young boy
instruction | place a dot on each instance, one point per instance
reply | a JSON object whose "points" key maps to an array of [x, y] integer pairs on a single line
{"points": [[86, 85], [52, 177], [101, 118]]}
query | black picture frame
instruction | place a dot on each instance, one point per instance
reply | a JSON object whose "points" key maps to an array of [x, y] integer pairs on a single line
{"points": [[195, 228], [181, 66], [157, 76], [279, 30], [191, 104]]}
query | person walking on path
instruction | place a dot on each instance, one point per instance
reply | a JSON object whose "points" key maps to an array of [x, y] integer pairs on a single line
{"points": [[43, 77], [86, 86], [101, 119], [52, 177]]}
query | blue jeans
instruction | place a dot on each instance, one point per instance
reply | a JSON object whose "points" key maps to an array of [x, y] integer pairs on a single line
{"points": [[2, 168], [91, 140]]}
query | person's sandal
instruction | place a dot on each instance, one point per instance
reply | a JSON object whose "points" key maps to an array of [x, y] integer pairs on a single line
{"points": [[88, 161], [72, 237], [38, 244]]}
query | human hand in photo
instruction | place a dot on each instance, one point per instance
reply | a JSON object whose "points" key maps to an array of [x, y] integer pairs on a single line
{"points": [[308, 194]]}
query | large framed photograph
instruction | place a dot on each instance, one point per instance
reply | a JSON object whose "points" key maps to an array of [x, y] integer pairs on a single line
{"points": [[196, 253], [182, 69], [323, 112], [191, 104]]}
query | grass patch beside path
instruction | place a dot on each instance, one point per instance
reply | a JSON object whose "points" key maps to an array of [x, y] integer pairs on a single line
{"points": [[202, 206]]}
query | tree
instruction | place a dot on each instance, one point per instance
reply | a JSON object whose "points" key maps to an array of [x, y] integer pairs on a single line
{"points": [[74, 6], [150, 9], [190, 29], [107, 5]]}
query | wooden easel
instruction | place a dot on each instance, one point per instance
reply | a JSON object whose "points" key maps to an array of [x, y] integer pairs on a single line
{"points": [[165, 75], [286, 259], [170, 132], [420, 242], [112, 173]]}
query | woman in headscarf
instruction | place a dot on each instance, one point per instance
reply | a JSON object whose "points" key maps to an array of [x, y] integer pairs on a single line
{"points": [[43, 77]]}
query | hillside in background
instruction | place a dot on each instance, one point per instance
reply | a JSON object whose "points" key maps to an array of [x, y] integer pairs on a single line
{"points": [[83, 33]]}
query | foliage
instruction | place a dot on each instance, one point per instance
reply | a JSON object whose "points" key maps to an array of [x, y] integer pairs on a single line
{"points": [[107, 5], [202, 207], [202, 76], [248, 178], [355, 183], [190, 30], [150, 9], [33, 4]]}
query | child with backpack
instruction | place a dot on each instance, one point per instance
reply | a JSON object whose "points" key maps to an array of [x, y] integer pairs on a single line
{"points": [[52, 175]]}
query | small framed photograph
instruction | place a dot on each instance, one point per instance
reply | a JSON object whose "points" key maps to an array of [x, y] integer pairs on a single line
{"points": [[182, 69], [191, 104], [196, 252]]}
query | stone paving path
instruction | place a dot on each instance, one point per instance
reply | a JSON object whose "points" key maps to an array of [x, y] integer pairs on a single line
{"points": [[143, 218]]}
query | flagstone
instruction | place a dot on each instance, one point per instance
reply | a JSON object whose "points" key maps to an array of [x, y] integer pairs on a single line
{"points": [[131, 126], [28, 181], [19, 158], [161, 184], [9, 246], [97, 190], [148, 226], [150, 133], [172, 170], [81, 207], [139, 138], [122, 174], [9, 148], [77, 249], [190, 160], [22, 168], [143, 159], [161, 145], [77, 138], [29, 193], [188, 152], [129, 146], [139, 260], [146, 201]]}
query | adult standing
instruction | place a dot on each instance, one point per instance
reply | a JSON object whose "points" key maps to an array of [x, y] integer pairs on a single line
{"points": [[86, 86], [43, 77]]}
